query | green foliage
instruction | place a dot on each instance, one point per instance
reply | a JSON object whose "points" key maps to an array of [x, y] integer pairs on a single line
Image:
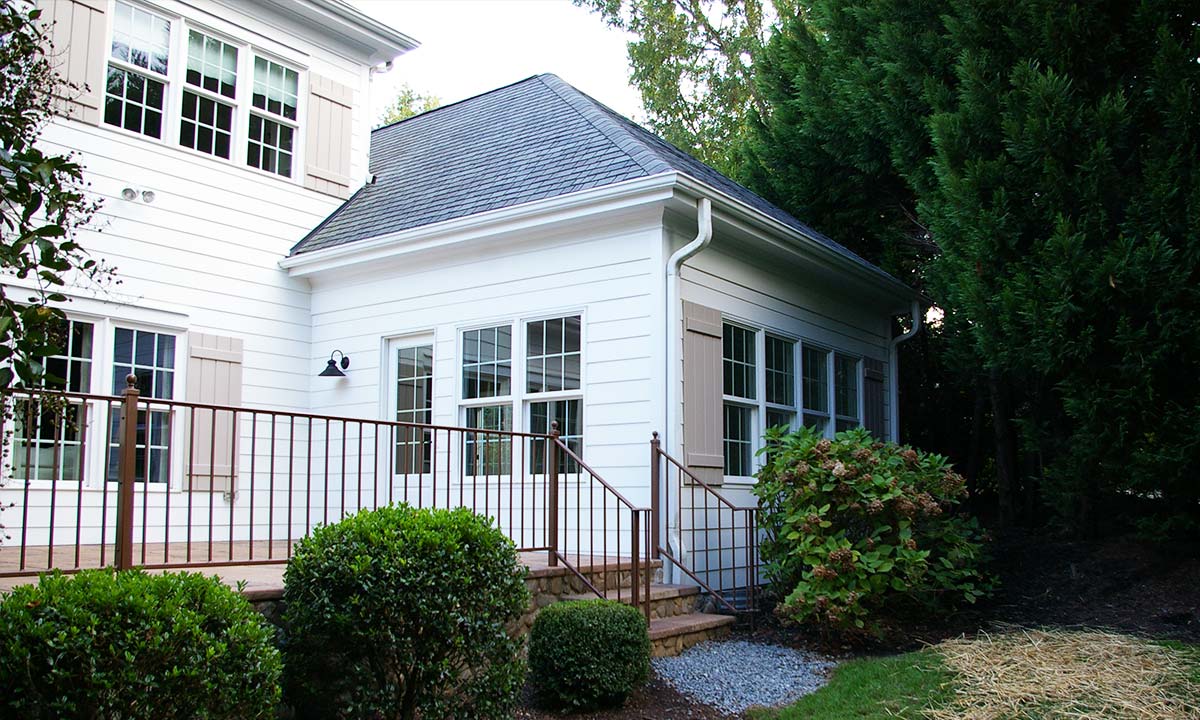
{"points": [[106, 644], [44, 202], [588, 654], [856, 528], [901, 687], [403, 613], [408, 102], [692, 61], [1036, 168]]}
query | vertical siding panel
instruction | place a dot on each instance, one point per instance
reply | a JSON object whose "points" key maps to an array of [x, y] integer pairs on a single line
{"points": [[703, 430], [330, 112]]}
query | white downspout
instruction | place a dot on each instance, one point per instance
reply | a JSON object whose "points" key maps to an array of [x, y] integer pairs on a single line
{"points": [[673, 339], [894, 373]]}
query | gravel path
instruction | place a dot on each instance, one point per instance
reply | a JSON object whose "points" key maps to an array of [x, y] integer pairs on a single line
{"points": [[735, 675]]}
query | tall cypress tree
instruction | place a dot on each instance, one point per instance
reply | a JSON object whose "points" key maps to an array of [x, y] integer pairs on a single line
{"points": [[1050, 151]]}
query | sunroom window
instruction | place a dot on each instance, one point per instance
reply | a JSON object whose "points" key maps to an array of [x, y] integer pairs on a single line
{"points": [[815, 391], [845, 384], [553, 361], [780, 381], [414, 404], [487, 375], [740, 380]]}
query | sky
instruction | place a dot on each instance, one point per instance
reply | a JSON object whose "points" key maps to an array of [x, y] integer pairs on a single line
{"points": [[471, 46]]}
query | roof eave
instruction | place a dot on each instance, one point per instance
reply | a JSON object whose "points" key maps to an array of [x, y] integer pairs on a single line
{"points": [[631, 192], [807, 243]]}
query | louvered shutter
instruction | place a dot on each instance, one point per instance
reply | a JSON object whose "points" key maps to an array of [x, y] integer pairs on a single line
{"points": [[873, 408], [215, 378], [327, 153], [703, 431], [79, 34]]}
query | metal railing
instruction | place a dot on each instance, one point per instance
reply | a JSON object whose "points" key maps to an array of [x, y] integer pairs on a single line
{"points": [[717, 541], [123, 481], [612, 535]]}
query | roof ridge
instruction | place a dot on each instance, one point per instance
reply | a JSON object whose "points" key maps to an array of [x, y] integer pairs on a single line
{"points": [[456, 103], [590, 110]]}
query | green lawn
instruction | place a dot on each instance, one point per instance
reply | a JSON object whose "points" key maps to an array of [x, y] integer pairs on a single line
{"points": [[874, 689]]}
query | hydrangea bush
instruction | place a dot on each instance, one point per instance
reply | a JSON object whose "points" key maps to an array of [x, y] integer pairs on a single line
{"points": [[856, 529]]}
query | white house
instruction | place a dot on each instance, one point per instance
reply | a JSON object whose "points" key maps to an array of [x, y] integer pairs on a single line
{"points": [[516, 259]]}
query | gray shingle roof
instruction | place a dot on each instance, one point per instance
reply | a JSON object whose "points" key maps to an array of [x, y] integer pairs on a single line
{"points": [[534, 139]]}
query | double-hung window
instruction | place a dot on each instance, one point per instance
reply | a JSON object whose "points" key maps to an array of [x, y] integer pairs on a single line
{"points": [[138, 69], [150, 357], [531, 380], [487, 367], [764, 386], [740, 382], [48, 434], [273, 117], [815, 391], [227, 99], [845, 391], [553, 357], [210, 89]]}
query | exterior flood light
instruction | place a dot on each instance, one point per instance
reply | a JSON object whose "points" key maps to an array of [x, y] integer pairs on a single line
{"points": [[129, 194], [332, 368]]}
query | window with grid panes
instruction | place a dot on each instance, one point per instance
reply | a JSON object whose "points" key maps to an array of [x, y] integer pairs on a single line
{"points": [[487, 362], [47, 437], [150, 356], [780, 381], [273, 118], [740, 380], [136, 87], [489, 453], [206, 121], [552, 354], [845, 392], [414, 404], [569, 416], [814, 369]]}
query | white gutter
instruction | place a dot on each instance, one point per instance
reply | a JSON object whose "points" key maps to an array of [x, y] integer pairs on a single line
{"points": [[673, 337], [894, 373]]}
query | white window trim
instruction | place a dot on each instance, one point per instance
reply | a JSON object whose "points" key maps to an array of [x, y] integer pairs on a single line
{"points": [[176, 82], [95, 461], [760, 406]]}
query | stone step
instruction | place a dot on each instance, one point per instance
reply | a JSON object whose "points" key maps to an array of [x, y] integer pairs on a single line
{"points": [[670, 636], [665, 600]]}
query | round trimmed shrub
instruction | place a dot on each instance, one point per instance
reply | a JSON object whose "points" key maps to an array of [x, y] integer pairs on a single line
{"points": [[857, 528], [588, 654], [105, 644], [400, 613]]}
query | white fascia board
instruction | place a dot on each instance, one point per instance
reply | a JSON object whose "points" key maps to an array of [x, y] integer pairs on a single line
{"points": [[771, 231], [655, 188]]}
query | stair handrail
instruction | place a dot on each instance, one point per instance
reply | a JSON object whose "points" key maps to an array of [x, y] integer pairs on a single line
{"points": [[658, 455], [640, 568]]}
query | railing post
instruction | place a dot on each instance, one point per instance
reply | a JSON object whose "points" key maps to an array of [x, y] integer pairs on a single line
{"points": [[634, 565], [552, 494], [126, 474], [655, 495]]}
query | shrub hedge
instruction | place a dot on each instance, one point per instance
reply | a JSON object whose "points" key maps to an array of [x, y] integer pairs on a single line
{"points": [[403, 613], [856, 528], [588, 654], [105, 644]]}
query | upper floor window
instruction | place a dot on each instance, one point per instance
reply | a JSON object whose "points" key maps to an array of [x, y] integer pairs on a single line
{"points": [[137, 71], [205, 95]]}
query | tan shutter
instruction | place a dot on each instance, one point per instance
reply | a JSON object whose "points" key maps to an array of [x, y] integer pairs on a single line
{"points": [[214, 377], [78, 31], [873, 410], [327, 154], [703, 429]]}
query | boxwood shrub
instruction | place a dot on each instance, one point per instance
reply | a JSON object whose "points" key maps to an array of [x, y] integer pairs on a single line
{"points": [[105, 644], [588, 654], [401, 613], [857, 529]]}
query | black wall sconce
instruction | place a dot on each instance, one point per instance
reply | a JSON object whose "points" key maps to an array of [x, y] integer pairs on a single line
{"points": [[332, 368]]}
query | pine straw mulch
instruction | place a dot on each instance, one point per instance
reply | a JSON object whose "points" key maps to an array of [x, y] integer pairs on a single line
{"points": [[1068, 675]]}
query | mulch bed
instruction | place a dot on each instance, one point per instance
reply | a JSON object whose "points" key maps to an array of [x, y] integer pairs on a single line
{"points": [[656, 701]]}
